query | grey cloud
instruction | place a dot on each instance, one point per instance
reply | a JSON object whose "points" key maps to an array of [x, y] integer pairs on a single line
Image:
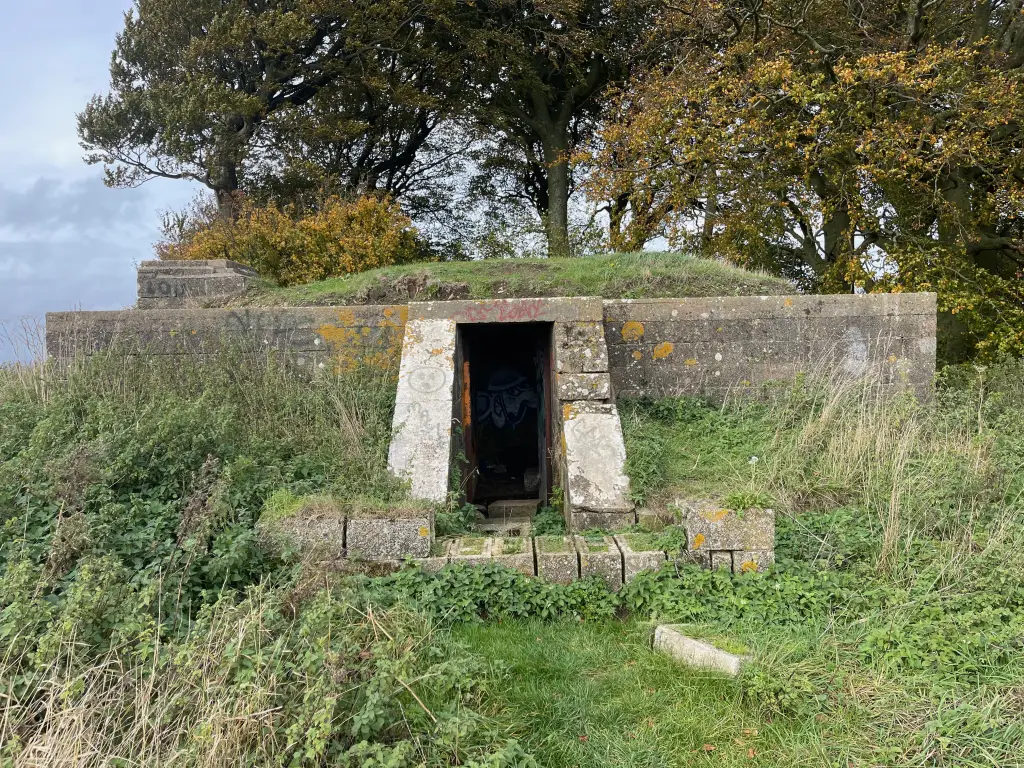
{"points": [[52, 208]]}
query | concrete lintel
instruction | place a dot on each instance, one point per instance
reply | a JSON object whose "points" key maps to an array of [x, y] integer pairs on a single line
{"points": [[511, 310]]}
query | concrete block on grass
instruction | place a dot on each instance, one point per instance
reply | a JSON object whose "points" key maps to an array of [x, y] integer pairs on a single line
{"points": [[638, 554], [557, 561], [313, 525], [694, 652], [392, 534], [600, 557]]}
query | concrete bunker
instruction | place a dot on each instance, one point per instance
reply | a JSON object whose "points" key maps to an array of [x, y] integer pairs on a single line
{"points": [[504, 393]]}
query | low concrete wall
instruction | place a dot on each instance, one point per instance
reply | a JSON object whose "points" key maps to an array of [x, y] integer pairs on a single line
{"points": [[344, 337], [656, 347], [715, 347]]}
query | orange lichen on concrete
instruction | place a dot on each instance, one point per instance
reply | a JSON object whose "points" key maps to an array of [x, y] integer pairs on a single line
{"points": [[638, 355], [691, 361], [698, 541], [663, 350], [748, 566], [351, 345], [632, 331], [714, 517]]}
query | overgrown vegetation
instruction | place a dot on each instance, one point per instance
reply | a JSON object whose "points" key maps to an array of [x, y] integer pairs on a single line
{"points": [[293, 245], [140, 615], [622, 275]]}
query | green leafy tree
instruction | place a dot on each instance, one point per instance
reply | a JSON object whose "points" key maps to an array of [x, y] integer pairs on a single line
{"points": [[235, 94], [540, 70], [876, 145]]}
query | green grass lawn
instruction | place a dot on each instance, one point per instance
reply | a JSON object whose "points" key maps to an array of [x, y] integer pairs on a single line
{"points": [[632, 275], [596, 694]]}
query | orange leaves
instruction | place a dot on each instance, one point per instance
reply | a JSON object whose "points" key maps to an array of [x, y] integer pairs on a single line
{"points": [[339, 237]]}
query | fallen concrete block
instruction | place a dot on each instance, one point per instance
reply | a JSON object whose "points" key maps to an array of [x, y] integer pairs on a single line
{"points": [[600, 557], [557, 560], [391, 534], [702, 654], [639, 554]]}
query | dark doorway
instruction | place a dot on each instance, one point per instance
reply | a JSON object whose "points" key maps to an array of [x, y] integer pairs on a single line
{"points": [[505, 391]]}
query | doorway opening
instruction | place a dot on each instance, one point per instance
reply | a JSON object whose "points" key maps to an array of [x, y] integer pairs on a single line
{"points": [[505, 391]]}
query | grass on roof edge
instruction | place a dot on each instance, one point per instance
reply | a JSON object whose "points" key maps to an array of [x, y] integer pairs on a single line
{"points": [[611, 276]]}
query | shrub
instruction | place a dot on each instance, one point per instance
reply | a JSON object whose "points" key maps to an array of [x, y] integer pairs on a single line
{"points": [[293, 246]]}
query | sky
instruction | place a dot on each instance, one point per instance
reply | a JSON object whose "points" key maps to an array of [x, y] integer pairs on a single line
{"points": [[66, 241]]}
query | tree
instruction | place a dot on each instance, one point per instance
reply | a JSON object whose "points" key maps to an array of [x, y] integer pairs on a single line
{"points": [[232, 93], [843, 144], [539, 72]]}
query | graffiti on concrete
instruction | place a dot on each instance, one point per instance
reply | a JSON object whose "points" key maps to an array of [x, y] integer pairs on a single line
{"points": [[507, 399]]}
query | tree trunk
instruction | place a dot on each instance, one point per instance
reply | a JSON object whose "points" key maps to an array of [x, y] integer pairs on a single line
{"points": [[556, 157]]}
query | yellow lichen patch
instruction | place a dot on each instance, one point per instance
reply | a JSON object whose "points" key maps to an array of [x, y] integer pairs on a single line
{"points": [[346, 317], [424, 531], [893, 358], [568, 411], [748, 566], [638, 355], [437, 351], [632, 331], [788, 302], [663, 350], [698, 541], [691, 361], [714, 517]]}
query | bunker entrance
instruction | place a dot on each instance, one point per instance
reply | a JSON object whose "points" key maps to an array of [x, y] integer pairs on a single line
{"points": [[505, 393]]}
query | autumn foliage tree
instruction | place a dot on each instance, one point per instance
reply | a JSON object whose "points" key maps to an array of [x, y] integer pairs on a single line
{"points": [[840, 144]]}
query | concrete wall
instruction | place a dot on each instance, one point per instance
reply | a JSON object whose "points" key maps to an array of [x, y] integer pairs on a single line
{"points": [[344, 337], [710, 347], [183, 284], [717, 346]]}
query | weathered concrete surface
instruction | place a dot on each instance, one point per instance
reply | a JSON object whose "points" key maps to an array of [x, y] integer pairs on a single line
{"points": [[721, 561], [596, 485], [746, 562], [316, 529], [580, 348], [557, 560], [717, 346], [390, 534], [439, 557], [600, 558], [554, 310], [337, 338], [670, 639], [709, 526], [584, 386], [180, 284], [512, 508], [470, 550], [421, 446], [636, 561], [513, 552]]}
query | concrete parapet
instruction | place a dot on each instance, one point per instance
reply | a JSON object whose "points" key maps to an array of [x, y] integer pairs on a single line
{"points": [[181, 284]]}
